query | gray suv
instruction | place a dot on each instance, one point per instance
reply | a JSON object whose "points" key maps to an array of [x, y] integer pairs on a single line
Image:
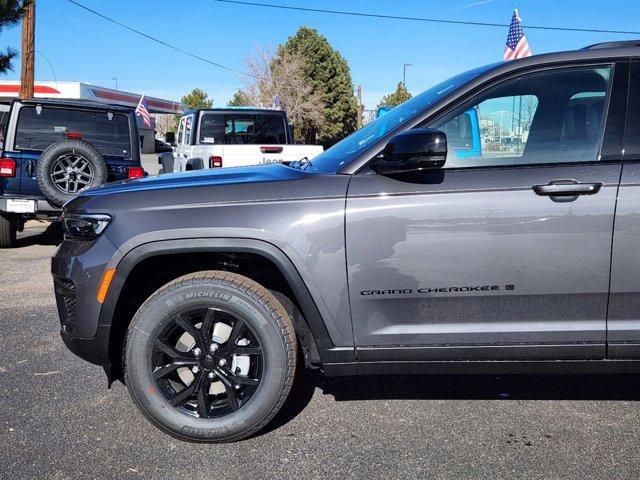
{"points": [[489, 224]]}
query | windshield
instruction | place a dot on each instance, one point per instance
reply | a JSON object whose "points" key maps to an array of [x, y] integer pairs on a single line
{"points": [[348, 149]]}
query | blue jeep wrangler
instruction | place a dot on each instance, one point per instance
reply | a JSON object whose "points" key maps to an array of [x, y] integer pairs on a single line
{"points": [[54, 149]]}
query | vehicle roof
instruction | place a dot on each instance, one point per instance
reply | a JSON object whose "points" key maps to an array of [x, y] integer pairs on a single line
{"points": [[58, 102], [597, 52], [235, 109]]}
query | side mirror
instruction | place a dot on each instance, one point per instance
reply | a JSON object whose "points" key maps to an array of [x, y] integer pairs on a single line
{"points": [[413, 150]]}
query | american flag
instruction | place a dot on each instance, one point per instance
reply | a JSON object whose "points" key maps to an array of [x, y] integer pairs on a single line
{"points": [[517, 45], [143, 110]]}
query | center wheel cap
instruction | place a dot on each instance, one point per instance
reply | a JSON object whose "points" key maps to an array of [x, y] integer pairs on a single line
{"points": [[208, 362]]}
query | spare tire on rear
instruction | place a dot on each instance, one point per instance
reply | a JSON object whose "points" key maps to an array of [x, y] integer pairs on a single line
{"points": [[67, 168]]}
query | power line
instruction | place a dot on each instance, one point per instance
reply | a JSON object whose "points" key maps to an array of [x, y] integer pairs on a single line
{"points": [[421, 19], [157, 40]]}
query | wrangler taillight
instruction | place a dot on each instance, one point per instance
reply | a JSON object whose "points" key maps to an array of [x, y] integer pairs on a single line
{"points": [[215, 162], [135, 172], [7, 167]]}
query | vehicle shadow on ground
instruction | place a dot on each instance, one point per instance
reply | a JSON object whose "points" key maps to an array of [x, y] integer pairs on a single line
{"points": [[483, 387], [51, 236], [456, 387]]}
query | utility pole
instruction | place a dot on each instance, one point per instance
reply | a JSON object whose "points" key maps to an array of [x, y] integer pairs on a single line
{"points": [[404, 73], [28, 50], [360, 107], [116, 79]]}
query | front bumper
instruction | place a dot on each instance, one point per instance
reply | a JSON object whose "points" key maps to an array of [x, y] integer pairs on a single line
{"points": [[77, 268]]}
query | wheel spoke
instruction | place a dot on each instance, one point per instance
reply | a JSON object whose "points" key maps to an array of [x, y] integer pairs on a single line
{"points": [[191, 330], [183, 395], [235, 332], [167, 369], [230, 389], [164, 348], [207, 324], [246, 350], [232, 379], [203, 396]]}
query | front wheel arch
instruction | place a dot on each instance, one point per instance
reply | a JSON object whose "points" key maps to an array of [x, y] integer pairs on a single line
{"points": [[120, 305]]}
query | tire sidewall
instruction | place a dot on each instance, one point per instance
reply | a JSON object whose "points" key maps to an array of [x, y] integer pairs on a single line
{"points": [[157, 313], [56, 150]]}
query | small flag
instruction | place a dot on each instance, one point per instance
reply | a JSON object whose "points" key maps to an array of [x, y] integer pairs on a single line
{"points": [[143, 110], [517, 45], [277, 103]]}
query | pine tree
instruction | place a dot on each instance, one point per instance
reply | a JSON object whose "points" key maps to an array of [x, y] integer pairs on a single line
{"points": [[11, 12], [196, 99], [239, 99], [394, 99], [329, 75]]}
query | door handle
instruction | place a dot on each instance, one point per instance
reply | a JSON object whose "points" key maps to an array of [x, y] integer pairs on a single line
{"points": [[567, 188]]}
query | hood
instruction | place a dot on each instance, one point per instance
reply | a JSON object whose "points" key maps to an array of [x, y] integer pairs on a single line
{"points": [[201, 178]]}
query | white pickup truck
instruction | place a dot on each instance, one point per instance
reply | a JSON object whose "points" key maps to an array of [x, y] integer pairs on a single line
{"points": [[233, 137]]}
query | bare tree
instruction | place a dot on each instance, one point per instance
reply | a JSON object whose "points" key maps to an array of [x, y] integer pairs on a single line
{"points": [[165, 123], [279, 75]]}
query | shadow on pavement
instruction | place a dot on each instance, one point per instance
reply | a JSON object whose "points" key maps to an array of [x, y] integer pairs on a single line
{"points": [[456, 387], [51, 236], [484, 387]]}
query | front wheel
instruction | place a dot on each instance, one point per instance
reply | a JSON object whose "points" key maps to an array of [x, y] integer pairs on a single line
{"points": [[210, 357]]}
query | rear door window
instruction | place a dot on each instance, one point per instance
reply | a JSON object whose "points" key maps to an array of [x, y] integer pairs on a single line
{"points": [[40, 126], [242, 129]]}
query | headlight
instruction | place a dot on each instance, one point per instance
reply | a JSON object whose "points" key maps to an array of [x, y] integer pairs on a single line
{"points": [[85, 226]]}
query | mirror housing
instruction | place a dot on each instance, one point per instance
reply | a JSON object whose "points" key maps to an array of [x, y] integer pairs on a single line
{"points": [[413, 150]]}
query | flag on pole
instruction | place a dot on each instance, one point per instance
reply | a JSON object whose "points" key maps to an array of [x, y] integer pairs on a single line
{"points": [[143, 110], [517, 45]]}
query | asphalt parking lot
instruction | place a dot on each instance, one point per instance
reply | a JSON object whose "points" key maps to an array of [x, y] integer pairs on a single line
{"points": [[58, 420]]}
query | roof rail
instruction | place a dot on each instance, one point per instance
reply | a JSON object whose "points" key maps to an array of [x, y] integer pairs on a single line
{"points": [[619, 44]]}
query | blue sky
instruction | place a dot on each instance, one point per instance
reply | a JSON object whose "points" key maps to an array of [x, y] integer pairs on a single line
{"points": [[83, 47]]}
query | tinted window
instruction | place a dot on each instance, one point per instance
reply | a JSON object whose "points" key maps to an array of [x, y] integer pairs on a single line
{"points": [[555, 116], [108, 132], [187, 130], [180, 130], [242, 128]]}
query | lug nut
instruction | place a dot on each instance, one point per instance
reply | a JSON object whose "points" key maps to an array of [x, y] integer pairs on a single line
{"points": [[213, 347], [237, 387], [195, 369], [196, 352], [222, 362], [211, 375]]}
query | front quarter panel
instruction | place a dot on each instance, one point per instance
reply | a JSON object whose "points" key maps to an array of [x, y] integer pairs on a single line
{"points": [[302, 216]]}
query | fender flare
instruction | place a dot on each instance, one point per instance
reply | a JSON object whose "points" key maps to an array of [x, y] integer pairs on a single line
{"points": [[327, 351]]}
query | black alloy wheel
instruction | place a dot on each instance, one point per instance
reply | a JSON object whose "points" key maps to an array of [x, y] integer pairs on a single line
{"points": [[210, 357], [203, 373]]}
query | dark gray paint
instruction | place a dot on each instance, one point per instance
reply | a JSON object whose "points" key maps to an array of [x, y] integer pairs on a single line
{"points": [[480, 227], [302, 214], [624, 304]]}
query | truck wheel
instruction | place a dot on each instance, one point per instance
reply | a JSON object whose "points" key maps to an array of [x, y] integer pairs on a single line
{"points": [[8, 229], [210, 357], [67, 168]]}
